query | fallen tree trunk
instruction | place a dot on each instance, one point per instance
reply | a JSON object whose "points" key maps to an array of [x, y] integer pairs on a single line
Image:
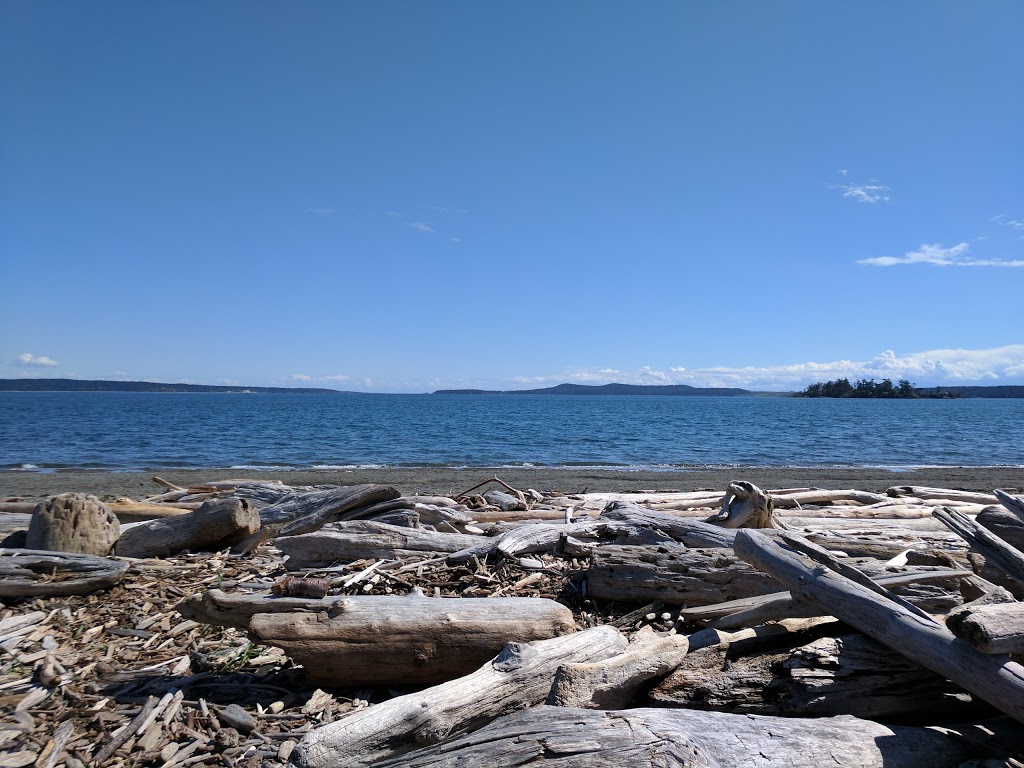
{"points": [[215, 525], [995, 679], [680, 738], [28, 573], [692, 533], [518, 677], [366, 540], [943, 494], [307, 512]]}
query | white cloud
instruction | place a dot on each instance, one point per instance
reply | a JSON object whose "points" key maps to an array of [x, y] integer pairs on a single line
{"points": [[1006, 221], [229, 382], [455, 239], [843, 171], [940, 366], [28, 360], [337, 377], [322, 211], [865, 193], [936, 255], [298, 377], [419, 226]]}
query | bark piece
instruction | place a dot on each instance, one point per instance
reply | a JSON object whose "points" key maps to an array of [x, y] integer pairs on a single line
{"points": [[611, 684], [73, 522], [215, 525], [518, 677], [28, 572], [678, 738], [995, 679]]}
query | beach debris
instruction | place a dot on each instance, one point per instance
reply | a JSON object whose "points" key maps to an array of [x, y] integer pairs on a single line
{"points": [[29, 572], [293, 586], [215, 525], [73, 522], [746, 506]]}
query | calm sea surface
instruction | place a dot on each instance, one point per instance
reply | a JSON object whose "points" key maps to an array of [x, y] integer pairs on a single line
{"points": [[140, 430]]}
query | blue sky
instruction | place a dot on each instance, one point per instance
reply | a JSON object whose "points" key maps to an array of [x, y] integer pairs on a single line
{"points": [[402, 196]]}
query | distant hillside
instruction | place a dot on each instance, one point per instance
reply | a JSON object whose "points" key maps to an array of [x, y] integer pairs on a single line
{"points": [[81, 385], [677, 390], [1003, 390]]}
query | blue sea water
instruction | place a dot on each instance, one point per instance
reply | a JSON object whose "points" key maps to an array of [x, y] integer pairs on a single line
{"points": [[125, 431]]}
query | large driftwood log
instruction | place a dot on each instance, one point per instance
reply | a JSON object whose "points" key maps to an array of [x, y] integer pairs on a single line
{"points": [[745, 506], [846, 675], [998, 552], [1003, 523], [129, 511], [940, 494], [518, 677], [563, 737], [28, 572], [993, 628], [215, 525], [363, 539], [692, 533], [73, 522], [995, 679], [318, 506]]}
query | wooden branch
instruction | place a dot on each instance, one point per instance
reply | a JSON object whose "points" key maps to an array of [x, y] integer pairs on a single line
{"points": [[215, 525], [683, 738], [994, 679], [1009, 558], [518, 677], [28, 572]]}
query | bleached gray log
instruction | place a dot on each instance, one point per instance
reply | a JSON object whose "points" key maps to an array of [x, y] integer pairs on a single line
{"points": [[73, 522], [407, 640], [692, 533], [943, 494], [845, 675], [215, 525], [29, 572], [817, 496], [431, 509], [1013, 503], [566, 737], [506, 502], [1008, 558], [1004, 524], [518, 677], [992, 628], [363, 539], [309, 512], [612, 683], [745, 506], [995, 679]]}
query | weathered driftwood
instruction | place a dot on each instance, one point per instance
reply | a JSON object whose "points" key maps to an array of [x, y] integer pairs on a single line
{"points": [[73, 522], [1013, 503], [567, 737], [1008, 558], [692, 533], [28, 572], [129, 511], [745, 506], [363, 539], [506, 502], [407, 640], [846, 675], [306, 512], [518, 677], [995, 679], [673, 574], [992, 627], [611, 684], [940, 494], [215, 525], [1004, 523]]}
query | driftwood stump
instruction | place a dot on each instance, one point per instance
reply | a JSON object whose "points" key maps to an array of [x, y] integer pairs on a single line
{"points": [[746, 506], [73, 522]]}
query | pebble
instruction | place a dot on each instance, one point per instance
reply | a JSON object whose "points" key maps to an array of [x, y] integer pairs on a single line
{"points": [[235, 717]]}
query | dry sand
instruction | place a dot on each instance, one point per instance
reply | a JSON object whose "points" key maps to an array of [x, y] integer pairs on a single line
{"points": [[137, 485]]}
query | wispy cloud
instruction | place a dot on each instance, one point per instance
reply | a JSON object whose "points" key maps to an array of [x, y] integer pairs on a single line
{"points": [[298, 377], [419, 226], [28, 360], [336, 378], [1006, 221], [865, 193], [941, 366], [938, 256], [322, 211]]}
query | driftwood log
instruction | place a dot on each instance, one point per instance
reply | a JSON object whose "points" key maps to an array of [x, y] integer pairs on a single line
{"points": [[745, 506], [28, 572], [385, 640], [1003, 555], [680, 738], [995, 679], [992, 628], [518, 677], [215, 525], [73, 522], [310, 509], [692, 533], [1004, 524]]}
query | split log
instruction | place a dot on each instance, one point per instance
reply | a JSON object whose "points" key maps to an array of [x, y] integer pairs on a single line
{"points": [[992, 628], [745, 506], [306, 512], [27, 573], [73, 522], [1004, 524], [679, 738], [1008, 558], [845, 675], [518, 677], [215, 525], [362, 539], [611, 684], [995, 679]]}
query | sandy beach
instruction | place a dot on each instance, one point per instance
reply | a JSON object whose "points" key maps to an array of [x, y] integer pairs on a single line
{"points": [[137, 485]]}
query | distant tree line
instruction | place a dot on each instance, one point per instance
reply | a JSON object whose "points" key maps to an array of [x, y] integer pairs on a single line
{"points": [[871, 388]]}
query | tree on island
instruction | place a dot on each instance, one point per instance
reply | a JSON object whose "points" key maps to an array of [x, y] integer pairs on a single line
{"points": [[869, 388]]}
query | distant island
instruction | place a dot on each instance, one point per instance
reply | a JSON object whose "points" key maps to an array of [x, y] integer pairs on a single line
{"points": [[99, 385], [677, 390], [903, 389]]}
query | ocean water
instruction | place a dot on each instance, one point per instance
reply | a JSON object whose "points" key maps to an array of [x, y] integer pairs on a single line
{"points": [[126, 431]]}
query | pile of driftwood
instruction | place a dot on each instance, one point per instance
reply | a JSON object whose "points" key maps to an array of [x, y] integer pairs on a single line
{"points": [[251, 623]]}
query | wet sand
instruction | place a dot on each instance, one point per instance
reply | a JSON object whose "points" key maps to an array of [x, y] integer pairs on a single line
{"points": [[137, 485]]}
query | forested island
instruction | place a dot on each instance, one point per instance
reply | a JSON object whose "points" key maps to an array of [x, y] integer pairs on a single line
{"points": [[869, 388]]}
